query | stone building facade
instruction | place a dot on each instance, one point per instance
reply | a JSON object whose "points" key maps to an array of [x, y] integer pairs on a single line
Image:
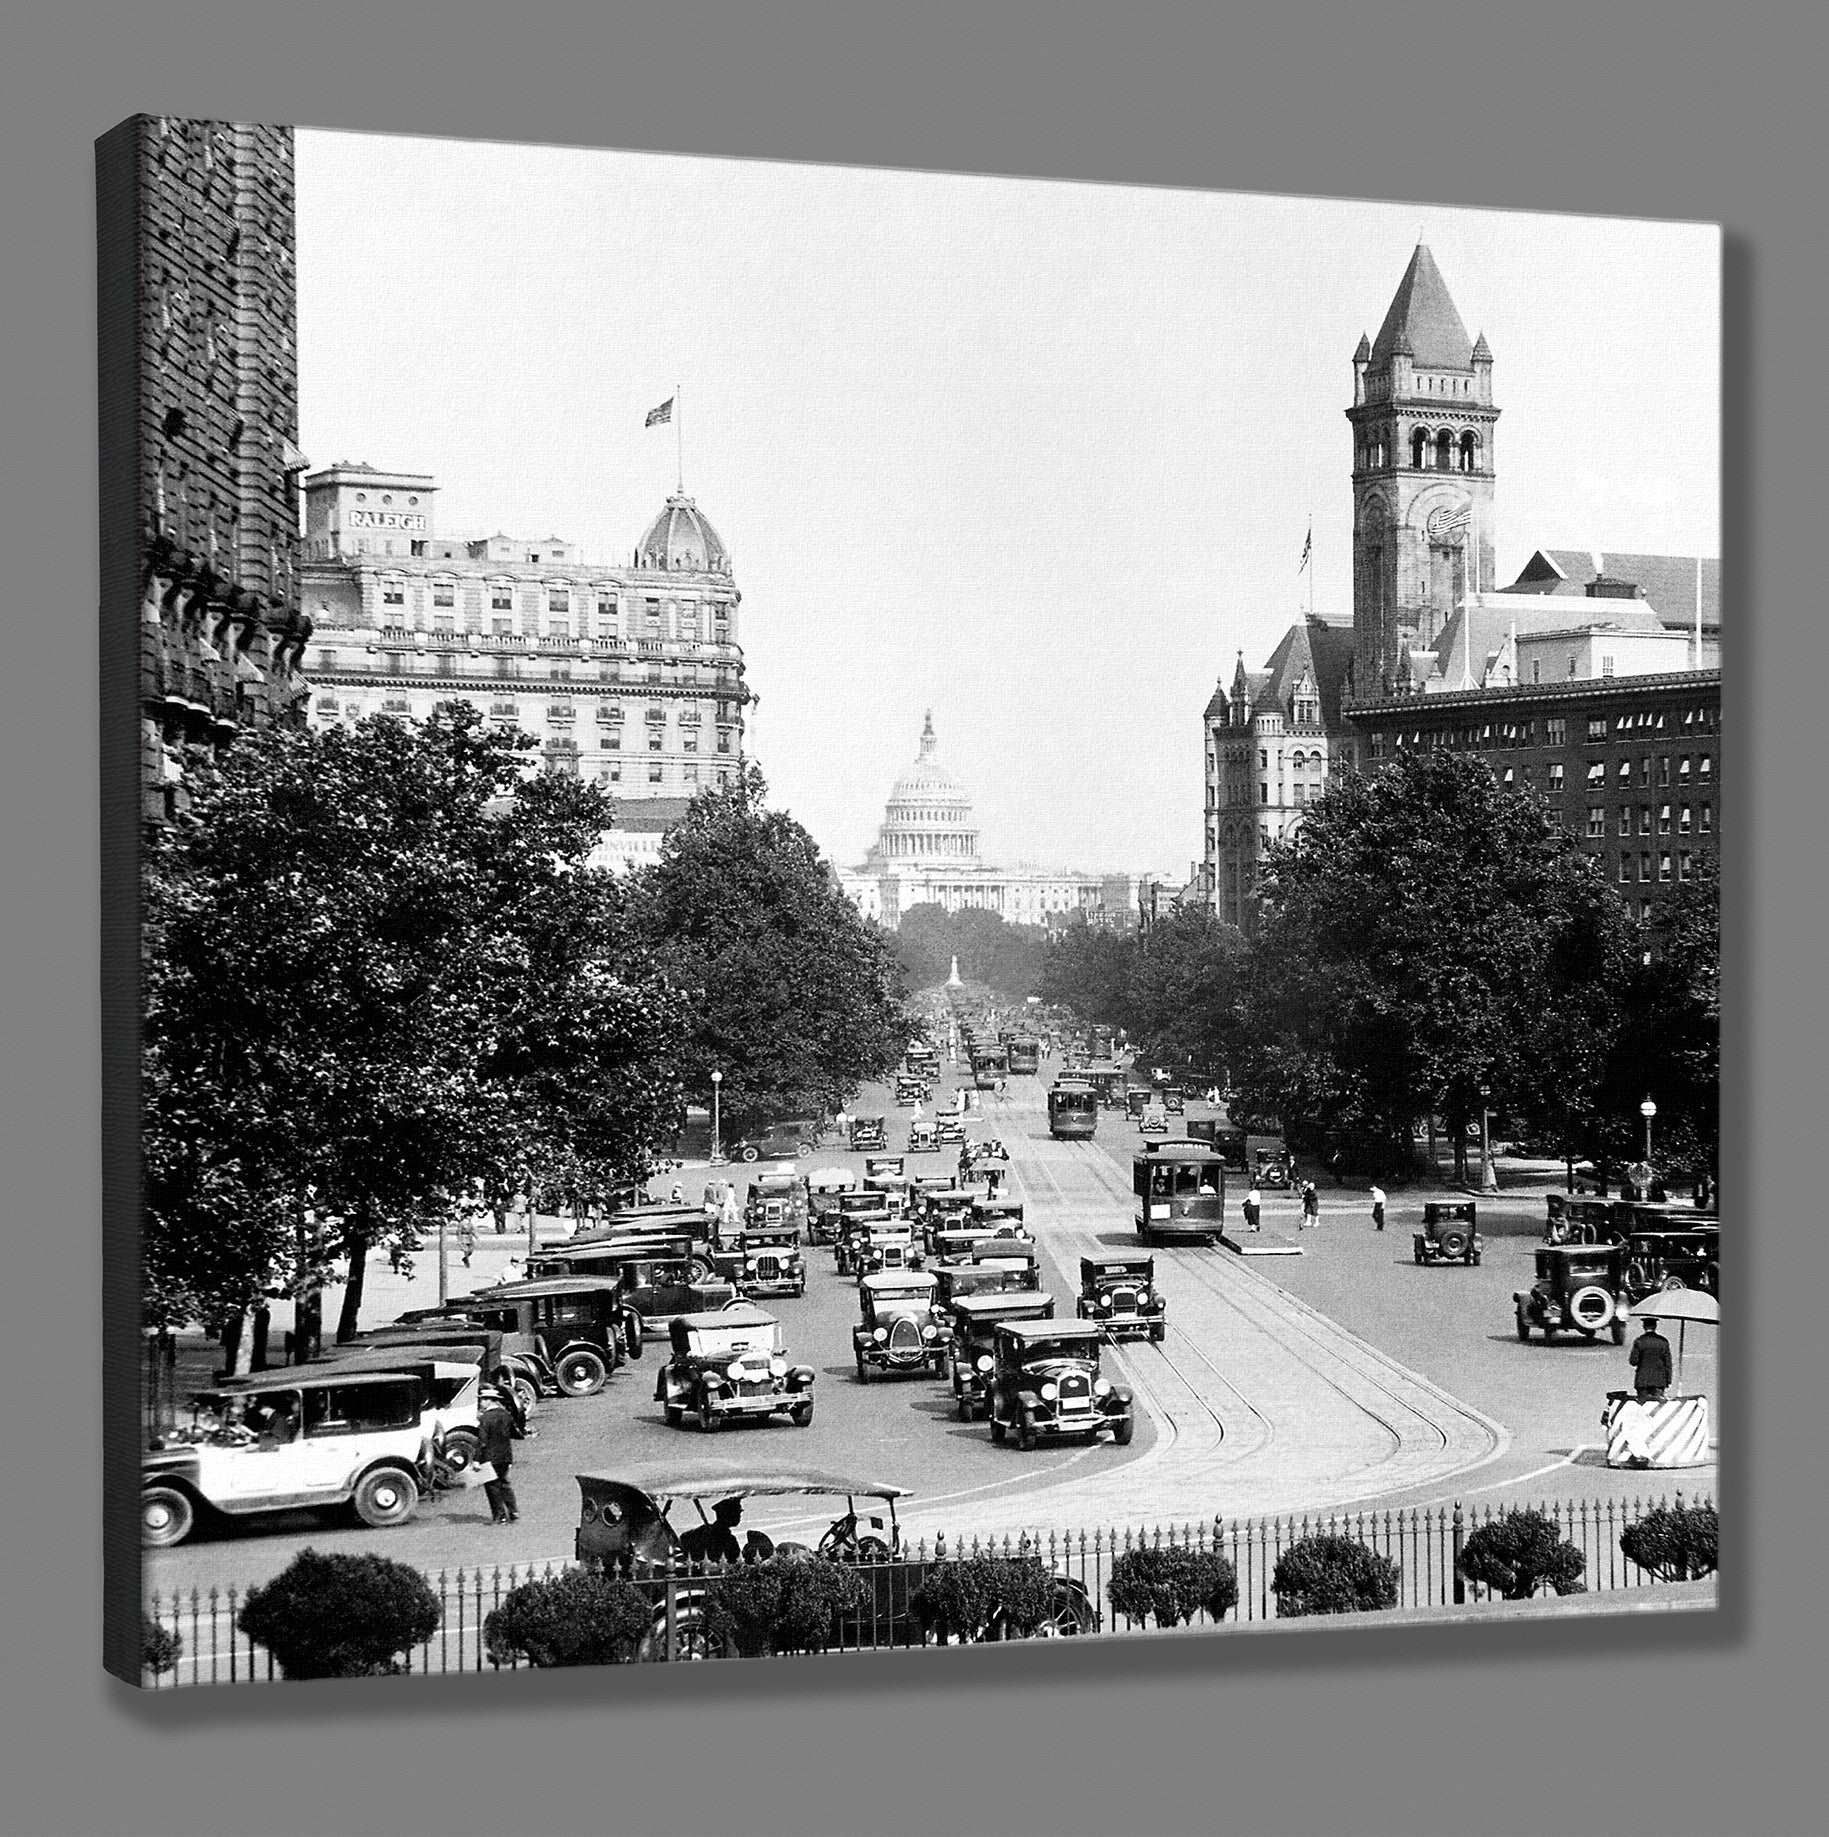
{"points": [[215, 378], [1576, 676], [631, 675]]}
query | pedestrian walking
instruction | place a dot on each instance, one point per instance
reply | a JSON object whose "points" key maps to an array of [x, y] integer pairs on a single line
{"points": [[1254, 1209], [1378, 1207], [1650, 1357], [466, 1241], [495, 1435], [1311, 1206]]}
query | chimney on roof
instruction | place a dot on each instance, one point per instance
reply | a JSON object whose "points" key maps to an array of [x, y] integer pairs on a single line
{"points": [[1610, 587]]}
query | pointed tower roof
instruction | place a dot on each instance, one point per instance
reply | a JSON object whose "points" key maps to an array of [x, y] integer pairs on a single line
{"points": [[1364, 352], [1423, 320], [1482, 351]]}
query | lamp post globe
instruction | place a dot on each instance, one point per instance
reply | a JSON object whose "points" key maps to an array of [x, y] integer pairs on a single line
{"points": [[1647, 1110]]}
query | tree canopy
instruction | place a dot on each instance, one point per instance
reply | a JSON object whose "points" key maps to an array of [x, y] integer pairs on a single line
{"points": [[1428, 931], [793, 996], [378, 976], [1006, 958]]}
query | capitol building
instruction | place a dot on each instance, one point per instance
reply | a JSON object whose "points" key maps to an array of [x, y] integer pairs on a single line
{"points": [[926, 853]]}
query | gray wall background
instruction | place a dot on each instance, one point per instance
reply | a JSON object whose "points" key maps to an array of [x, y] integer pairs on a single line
{"points": [[1684, 1726]]}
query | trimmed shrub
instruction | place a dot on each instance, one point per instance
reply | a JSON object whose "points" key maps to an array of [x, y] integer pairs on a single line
{"points": [[1332, 1575], [971, 1598], [787, 1604], [1173, 1585], [1674, 1543], [579, 1618], [160, 1647], [1518, 1554], [340, 1616]]}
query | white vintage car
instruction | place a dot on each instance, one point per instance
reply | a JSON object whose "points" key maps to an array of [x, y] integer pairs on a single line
{"points": [[731, 1363]]}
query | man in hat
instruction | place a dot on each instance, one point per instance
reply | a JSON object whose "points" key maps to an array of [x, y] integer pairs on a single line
{"points": [[715, 1542], [1650, 1363], [499, 1421]]}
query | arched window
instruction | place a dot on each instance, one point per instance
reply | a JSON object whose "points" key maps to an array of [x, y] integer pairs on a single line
{"points": [[1419, 448], [1444, 451], [1470, 448]]}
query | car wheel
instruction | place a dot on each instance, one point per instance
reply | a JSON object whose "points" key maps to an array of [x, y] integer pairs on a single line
{"points": [[802, 1414], [1475, 1259], [674, 1415], [1070, 1614], [998, 1431], [459, 1451], [1454, 1244], [1671, 1284], [750, 1151], [1123, 1430], [526, 1394], [966, 1412], [700, 1268], [1025, 1432], [1524, 1325], [386, 1497], [167, 1517], [581, 1374], [632, 1334], [863, 1370], [709, 1420], [1416, 1250], [803, 1149], [1590, 1308]]}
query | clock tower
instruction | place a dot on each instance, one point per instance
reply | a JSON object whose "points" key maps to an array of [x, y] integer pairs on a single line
{"points": [[1423, 420]]}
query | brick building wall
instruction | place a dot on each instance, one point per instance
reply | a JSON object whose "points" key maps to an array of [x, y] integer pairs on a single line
{"points": [[221, 631]]}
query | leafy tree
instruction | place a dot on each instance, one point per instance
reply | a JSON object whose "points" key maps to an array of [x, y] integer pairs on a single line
{"points": [[1185, 989], [340, 1616], [793, 996], [160, 1646], [787, 1604], [1520, 1553], [1007, 959], [1328, 1574], [578, 1618], [1680, 1543], [1427, 931], [1172, 1584], [378, 975], [1090, 971]]}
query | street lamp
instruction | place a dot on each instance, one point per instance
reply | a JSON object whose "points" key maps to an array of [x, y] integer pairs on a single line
{"points": [[1647, 1110], [717, 1151], [1489, 1179]]}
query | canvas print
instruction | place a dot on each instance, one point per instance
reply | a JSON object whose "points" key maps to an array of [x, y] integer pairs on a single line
{"points": [[872, 910]]}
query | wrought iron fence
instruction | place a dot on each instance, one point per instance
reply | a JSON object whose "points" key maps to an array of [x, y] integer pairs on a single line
{"points": [[1423, 1543]]}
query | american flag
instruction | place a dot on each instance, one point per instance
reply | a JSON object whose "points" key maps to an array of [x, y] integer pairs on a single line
{"points": [[1458, 524], [656, 416], [1308, 549]]}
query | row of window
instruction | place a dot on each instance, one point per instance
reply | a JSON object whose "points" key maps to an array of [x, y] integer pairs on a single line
{"points": [[559, 607], [1623, 772], [1682, 819], [1503, 736], [1680, 866]]}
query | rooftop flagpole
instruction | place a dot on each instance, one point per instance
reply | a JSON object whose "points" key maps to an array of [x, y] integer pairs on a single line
{"points": [[679, 437]]}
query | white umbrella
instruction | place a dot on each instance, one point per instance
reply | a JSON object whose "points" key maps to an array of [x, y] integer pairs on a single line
{"points": [[1681, 1305]]}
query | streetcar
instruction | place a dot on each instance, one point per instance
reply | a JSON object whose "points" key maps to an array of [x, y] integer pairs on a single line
{"points": [[1025, 1058], [1073, 1111], [1181, 1193], [990, 1066]]}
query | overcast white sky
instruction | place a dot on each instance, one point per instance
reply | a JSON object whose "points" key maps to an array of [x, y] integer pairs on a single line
{"points": [[1038, 455]]}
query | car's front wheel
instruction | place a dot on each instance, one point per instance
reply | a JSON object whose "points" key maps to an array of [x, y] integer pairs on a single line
{"points": [[1524, 1325], [386, 1497], [802, 1414], [998, 1431], [709, 1420], [1025, 1432], [1123, 1430], [459, 1450], [167, 1517], [582, 1374]]}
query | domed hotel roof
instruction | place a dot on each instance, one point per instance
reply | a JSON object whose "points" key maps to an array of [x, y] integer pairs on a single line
{"points": [[681, 541]]}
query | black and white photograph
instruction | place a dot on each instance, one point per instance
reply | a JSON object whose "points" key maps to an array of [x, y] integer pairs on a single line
{"points": [[884, 910]]}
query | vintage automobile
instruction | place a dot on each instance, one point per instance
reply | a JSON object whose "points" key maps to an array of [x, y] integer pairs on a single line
{"points": [[944, 1208], [568, 1332], [956, 1280], [1073, 1110], [885, 1173], [776, 1201], [954, 1243], [780, 1141], [625, 1525], [1045, 1385], [1120, 1294], [302, 1439], [453, 1380], [1174, 1099], [1450, 1232], [603, 1257], [910, 1089], [1273, 1168], [898, 1331], [867, 1133], [923, 1138], [728, 1364], [949, 1131], [857, 1213], [1660, 1261], [771, 1263], [972, 1323], [1181, 1193], [1571, 1220], [1155, 1120], [997, 1213], [1227, 1140], [886, 1245], [1137, 1099], [1580, 1288], [990, 1149]]}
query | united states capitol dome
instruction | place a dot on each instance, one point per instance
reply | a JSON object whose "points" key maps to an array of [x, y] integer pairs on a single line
{"points": [[928, 819]]}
